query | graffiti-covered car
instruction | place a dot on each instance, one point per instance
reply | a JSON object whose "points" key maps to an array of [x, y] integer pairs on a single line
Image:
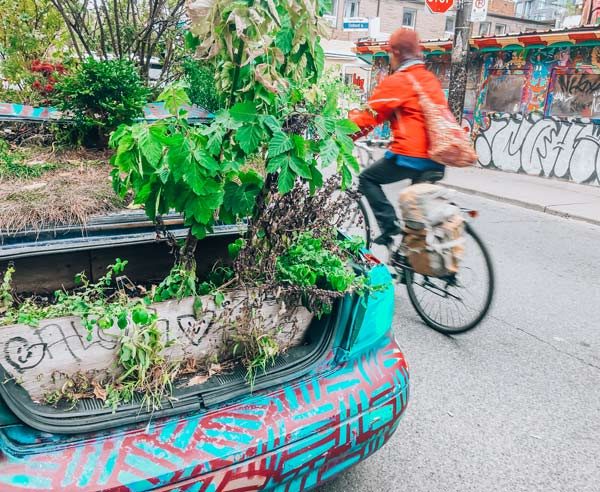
{"points": [[323, 406]]}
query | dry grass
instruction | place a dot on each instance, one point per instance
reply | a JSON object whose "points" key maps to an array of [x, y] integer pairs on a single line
{"points": [[76, 187]]}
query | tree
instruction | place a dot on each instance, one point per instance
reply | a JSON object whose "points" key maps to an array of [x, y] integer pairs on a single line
{"points": [[268, 63], [135, 30]]}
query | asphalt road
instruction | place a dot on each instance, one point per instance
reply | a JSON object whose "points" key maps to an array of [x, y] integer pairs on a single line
{"points": [[515, 404]]}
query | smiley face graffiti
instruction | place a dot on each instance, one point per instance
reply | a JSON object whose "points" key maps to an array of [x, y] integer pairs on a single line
{"points": [[23, 355]]}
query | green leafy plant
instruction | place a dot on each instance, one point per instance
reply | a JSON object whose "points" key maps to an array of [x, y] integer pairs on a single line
{"points": [[145, 369], [6, 296], [99, 96], [13, 165], [201, 85], [308, 263], [100, 304], [30, 30], [142, 365], [179, 283], [258, 350], [264, 55]]}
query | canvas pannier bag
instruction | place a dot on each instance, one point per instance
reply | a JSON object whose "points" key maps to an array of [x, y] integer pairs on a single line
{"points": [[433, 241], [449, 144]]}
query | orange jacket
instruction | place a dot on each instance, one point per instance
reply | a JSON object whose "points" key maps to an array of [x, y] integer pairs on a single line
{"points": [[396, 100]]}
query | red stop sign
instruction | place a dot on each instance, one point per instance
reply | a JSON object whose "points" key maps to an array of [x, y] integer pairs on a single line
{"points": [[439, 6]]}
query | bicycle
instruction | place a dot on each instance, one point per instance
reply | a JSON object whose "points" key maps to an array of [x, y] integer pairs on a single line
{"points": [[452, 292]]}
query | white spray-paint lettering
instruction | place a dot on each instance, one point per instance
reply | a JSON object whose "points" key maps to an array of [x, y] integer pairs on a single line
{"points": [[541, 146]]}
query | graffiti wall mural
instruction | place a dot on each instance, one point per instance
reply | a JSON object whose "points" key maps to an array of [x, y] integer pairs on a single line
{"points": [[575, 92], [535, 110], [532, 102], [541, 146]]}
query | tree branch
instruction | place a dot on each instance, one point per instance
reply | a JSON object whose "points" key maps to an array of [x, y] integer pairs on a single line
{"points": [[102, 37], [117, 27]]}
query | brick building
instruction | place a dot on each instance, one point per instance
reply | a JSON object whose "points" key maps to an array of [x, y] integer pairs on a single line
{"points": [[415, 14]]}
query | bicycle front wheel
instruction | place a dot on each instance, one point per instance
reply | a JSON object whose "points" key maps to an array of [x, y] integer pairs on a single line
{"points": [[458, 303], [352, 217], [356, 222]]}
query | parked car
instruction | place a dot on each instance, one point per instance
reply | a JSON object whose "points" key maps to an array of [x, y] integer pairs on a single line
{"points": [[322, 408]]}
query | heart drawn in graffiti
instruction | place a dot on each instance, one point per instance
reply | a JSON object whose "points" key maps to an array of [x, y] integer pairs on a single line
{"points": [[22, 355]]}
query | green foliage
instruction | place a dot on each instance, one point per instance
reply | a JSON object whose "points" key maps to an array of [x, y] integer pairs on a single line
{"points": [[179, 283], [6, 297], [99, 305], [308, 263], [201, 84], [235, 247], [258, 350], [145, 368], [261, 47], [29, 30], [13, 166], [354, 245], [100, 96], [203, 173], [267, 58], [330, 96], [169, 166]]}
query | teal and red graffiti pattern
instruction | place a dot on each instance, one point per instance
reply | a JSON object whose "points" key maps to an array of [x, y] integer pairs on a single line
{"points": [[291, 439]]}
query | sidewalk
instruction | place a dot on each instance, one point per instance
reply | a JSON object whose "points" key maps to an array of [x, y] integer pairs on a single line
{"points": [[552, 196]]}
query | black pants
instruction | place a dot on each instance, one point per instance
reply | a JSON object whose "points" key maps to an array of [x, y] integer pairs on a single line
{"points": [[384, 171]]}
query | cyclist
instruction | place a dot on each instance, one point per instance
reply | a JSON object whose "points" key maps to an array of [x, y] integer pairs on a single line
{"points": [[396, 100]]}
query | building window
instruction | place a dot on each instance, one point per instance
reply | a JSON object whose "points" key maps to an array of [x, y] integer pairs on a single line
{"points": [[505, 90], [409, 17], [484, 28], [500, 29], [571, 97], [449, 24], [330, 9], [351, 8]]}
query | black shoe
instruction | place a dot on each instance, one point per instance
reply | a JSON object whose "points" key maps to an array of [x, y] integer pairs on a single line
{"points": [[398, 262], [387, 237]]}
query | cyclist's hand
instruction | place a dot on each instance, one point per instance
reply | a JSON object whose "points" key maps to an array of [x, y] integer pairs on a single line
{"points": [[358, 117]]}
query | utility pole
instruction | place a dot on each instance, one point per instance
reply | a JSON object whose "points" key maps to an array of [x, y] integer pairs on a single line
{"points": [[460, 57]]}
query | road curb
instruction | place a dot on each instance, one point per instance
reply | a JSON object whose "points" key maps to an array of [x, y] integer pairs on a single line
{"points": [[520, 203]]}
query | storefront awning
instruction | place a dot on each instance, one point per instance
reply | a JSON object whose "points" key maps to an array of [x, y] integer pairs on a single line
{"points": [[583, 36]]}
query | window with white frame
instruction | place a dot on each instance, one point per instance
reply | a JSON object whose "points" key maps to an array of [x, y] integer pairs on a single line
{"points": [[330, 10], [449, 24], [351, 8], [329, 7], [484, 28], [500, 29], [409, 17]]}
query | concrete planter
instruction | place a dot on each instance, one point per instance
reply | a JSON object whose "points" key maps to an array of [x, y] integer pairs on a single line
{"points": [[41, 358]]}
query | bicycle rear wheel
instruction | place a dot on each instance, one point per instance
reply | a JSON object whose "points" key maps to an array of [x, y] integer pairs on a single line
{"points": [[458, 303]]}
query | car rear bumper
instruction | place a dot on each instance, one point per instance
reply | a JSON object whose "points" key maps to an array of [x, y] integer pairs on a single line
{"points": [[291, 439]]}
